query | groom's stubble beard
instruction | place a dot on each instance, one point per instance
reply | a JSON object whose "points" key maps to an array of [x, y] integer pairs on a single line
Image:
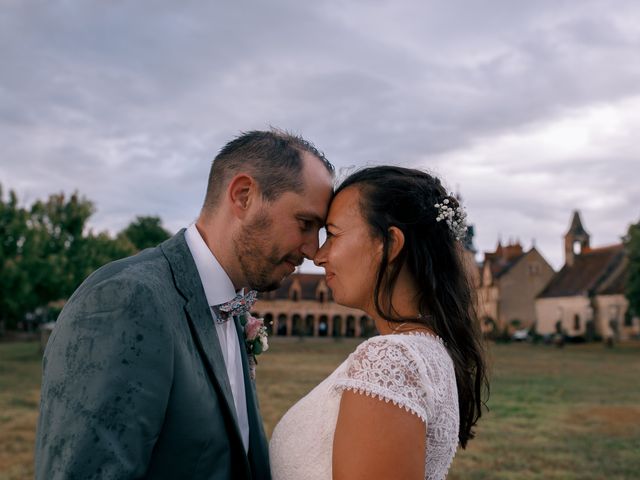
{"points": [[257, 256]]}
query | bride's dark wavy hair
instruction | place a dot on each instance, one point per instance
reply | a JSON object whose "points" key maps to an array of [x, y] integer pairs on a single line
{"points": [[406, 198]]}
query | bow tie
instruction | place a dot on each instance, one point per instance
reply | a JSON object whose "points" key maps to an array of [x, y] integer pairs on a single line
{"points": [[238, 305]]}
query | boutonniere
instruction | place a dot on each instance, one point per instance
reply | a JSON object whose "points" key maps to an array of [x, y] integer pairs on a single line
{"points": [[255, 339]]}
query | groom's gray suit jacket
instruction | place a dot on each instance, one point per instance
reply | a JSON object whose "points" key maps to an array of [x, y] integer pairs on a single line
{"points": [[134, 383]]}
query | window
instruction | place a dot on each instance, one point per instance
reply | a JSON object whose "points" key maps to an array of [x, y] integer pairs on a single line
{"points": [[576, 322], [534, 269], [628, 319], [577, 248], [614, 312]]}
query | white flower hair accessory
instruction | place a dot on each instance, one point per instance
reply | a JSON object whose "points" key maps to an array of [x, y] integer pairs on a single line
{"points": [[455, 218]]}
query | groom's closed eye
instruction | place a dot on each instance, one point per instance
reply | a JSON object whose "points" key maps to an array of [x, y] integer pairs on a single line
{"points": [[305, 225], [308, 221]]}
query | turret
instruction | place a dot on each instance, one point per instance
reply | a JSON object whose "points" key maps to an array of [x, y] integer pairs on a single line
{"points": [[576, 240]]}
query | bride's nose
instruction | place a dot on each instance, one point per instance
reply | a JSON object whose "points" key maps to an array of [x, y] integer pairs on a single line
{"points": [[320, 257]]}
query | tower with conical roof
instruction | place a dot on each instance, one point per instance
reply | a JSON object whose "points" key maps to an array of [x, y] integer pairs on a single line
{"points": [[576, 240]]}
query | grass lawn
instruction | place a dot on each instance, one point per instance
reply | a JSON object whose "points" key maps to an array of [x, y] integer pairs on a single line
{"points": [[571, 413], [19, 396]]}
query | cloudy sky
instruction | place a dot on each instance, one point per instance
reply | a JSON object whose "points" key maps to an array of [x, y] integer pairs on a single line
{"points": [[530, 109]]}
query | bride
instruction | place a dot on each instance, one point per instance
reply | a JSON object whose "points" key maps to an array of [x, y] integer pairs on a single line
{"points": [[400, 404]]}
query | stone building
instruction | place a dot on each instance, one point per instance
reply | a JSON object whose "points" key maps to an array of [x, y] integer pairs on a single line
{"points": [[612, 316], [586, 297], [509, 281], [304, 306]]}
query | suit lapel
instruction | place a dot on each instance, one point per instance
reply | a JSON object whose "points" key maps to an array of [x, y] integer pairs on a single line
{"points": [[258, 450], [204, 331], [201, 323]]}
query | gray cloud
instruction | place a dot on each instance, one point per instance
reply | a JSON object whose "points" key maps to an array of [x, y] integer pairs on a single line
{"points": [[128, 102]]}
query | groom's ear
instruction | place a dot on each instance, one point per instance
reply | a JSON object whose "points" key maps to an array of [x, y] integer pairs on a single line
{"points": [[241, 193]]}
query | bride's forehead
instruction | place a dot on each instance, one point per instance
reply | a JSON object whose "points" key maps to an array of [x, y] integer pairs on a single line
{"points": [[347, 202]]}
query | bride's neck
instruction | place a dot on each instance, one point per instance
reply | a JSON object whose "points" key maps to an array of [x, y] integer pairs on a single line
{"points": [[404, 300]]}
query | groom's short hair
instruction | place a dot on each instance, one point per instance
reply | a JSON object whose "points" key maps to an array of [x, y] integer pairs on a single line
{"points": [[272, 158]]}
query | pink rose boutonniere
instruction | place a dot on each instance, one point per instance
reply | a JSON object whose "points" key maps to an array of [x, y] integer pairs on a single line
{"points": [[255, 339]]}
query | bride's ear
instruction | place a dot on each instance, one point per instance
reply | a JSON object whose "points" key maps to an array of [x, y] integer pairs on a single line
{"points": [[396, 242]]}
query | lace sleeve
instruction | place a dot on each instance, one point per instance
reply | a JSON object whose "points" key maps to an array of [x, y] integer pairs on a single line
{"points": [[389, 370]]}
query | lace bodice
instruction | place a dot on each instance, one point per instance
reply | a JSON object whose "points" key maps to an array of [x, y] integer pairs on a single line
{"points": [[414, 371]]}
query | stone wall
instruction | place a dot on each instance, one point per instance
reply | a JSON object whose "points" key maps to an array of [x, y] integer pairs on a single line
{"points": [[519, 288], [611, 311], [313, 318], [572, 312]]}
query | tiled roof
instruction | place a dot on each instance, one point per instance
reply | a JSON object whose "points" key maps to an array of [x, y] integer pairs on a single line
{"points": [[615, 284], [308, 285], [507, 265], [588, 272], [503, 259]]}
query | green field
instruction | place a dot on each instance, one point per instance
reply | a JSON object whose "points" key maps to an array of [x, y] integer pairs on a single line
{"points": [[571, 413]]}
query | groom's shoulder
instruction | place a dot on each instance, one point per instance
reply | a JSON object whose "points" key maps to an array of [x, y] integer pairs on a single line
{"points": [[147, 266], [142, 280], [122, 280], [133, 287]]}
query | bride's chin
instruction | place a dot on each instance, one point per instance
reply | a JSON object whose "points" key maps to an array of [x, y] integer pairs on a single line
{"points": [[342, 300], [336, 296], [341, 297]]}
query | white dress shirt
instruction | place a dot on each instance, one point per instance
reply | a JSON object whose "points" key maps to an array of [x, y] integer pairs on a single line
{"points": [[219, 289]]}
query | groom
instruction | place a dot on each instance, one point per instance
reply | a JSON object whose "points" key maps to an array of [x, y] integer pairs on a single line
{"points": [[143, 376]]}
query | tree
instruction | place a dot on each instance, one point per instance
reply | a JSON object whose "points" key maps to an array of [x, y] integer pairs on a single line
{"points": [[101, 249], [145, 232], [46, 251], [632, 244], [57, 249], [14, 281]]}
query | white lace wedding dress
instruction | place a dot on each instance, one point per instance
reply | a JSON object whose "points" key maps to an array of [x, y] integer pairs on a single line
{"points": [[414, 371]]}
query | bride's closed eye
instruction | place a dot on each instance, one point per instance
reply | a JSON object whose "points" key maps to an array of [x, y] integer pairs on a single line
{"points": [[331, 230]]}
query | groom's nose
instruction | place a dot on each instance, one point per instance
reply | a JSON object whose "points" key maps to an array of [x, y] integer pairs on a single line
{"points": [[310, 245], [309, 251]]}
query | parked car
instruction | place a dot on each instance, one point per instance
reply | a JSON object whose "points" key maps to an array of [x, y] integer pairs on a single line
{"points": [[520, 335]]}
